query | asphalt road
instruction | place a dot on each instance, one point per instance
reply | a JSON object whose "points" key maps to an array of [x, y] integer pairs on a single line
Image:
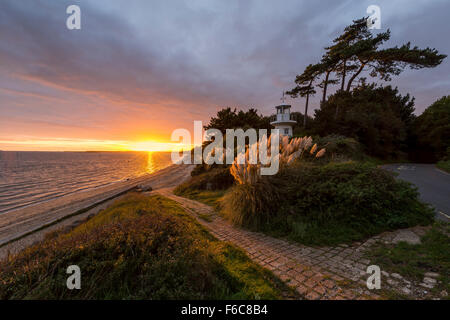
{"points": [[433, 184]]}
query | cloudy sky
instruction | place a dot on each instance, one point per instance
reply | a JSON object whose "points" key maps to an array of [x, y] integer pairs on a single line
{"points": [[137, 70]]}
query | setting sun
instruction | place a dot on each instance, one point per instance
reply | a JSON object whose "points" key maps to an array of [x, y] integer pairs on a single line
{"points": [[156, 146], [55, 144]]}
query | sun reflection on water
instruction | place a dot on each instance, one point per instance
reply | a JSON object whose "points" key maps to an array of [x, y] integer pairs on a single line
{"points": [[150, 163]]}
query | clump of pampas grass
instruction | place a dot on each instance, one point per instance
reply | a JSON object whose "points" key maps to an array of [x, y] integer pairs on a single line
{"points": [[289, 151]]}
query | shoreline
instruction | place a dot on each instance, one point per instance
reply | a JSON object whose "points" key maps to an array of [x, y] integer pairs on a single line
{"points": [[69, 194], [85, 190], [28, 195], [20, 223]]}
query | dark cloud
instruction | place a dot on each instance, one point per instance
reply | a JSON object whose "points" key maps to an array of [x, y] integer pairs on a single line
{"points": [[140, 61]]}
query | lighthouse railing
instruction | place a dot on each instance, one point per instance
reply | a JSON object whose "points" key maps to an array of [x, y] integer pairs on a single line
{"points": [[282, 117]]}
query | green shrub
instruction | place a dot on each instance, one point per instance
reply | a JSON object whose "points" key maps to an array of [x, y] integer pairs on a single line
{"points": [[204, 168], [198, 169], [140, 248], [444, 165], [340, 148], [213, 179], [338, 202], [432, 131], [358, 190], [378, 117]]}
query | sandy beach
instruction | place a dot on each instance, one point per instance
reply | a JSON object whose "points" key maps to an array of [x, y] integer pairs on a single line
{"points": [[24, 226]]}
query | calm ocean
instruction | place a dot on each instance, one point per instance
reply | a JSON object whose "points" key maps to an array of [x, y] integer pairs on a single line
{"points": [[27, 178]]}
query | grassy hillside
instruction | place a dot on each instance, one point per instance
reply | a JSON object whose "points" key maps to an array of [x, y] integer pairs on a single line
{"points": [[142, 247]]}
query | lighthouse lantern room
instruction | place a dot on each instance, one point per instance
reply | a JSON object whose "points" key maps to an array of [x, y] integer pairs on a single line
{"points": [[283, 120]]}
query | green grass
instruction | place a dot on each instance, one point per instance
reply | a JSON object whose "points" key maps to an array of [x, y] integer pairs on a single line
{"points": [[142, 247], [211, 198], [413, 261], [444, 165]]}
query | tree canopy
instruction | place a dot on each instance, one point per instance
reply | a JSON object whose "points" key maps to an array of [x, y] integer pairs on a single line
{"points": [[356, 50], [227, 118], [432, 131], [378, 117]]}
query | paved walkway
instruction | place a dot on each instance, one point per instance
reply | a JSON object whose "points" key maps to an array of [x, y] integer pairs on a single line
{"points": [[316, 273], [335, 273]]}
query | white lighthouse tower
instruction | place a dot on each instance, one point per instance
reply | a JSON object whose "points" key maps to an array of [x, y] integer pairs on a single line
{"points": [[283, 120]]}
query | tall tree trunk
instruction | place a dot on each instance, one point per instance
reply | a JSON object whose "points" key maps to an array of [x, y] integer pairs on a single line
{"points": [[349, 84], [307, 102], [344, 70], [306, 111], [324, 96]]}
